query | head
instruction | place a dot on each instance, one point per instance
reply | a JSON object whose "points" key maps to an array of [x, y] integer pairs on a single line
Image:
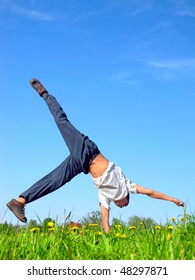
{"points": [[122, 202]]}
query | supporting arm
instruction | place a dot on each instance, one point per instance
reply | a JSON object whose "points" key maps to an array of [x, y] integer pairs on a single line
{"points": [[105, 218]]}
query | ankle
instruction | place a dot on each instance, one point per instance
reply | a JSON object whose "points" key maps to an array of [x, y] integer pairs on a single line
{"points": [[21, 200]]}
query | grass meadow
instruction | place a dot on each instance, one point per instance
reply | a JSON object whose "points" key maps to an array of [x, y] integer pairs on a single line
{"points": [[173, 241]]}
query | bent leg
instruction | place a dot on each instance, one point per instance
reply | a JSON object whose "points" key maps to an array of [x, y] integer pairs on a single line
{"points": [[53, 181]]}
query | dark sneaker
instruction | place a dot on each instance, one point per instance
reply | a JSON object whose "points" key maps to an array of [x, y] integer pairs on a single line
{"points": [[36, 84], [18, 209]]}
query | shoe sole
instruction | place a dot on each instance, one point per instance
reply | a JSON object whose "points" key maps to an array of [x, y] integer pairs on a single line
{"points": [[33, 82], [11, 209]]}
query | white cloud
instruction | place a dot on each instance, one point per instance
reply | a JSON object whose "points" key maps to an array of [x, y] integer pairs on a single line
{"points": [[124, 77], [145, 7], [186, 13], [26, 12], [161, 26], [172, 70], [173, 64], [183, 8]]}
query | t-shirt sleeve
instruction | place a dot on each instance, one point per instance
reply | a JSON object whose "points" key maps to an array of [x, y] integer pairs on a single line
{"points": [[132, 189], [131, 186], [104, 200]]}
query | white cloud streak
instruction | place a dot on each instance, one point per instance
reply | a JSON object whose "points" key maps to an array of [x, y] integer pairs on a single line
{"points": [[30, 13], [173, 64], [124, 77], [172, 70], [183, 8]]}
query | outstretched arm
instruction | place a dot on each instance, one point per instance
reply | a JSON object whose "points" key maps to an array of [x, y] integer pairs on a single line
{"points": [[158, 195]]}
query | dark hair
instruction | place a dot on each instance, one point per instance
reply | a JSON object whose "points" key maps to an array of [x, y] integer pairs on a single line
{"points": [[128, 197]]}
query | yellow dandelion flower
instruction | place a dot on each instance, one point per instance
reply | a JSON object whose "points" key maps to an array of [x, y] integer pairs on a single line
{"points": [[132, 227], [51, 229], [118, 226], [50, 224], [157, 227], [186, 217], [93, 225], [34, 229], [123, 236], [173, 219], [117, 234], [170, 227], [74, 228], [99, 233]]}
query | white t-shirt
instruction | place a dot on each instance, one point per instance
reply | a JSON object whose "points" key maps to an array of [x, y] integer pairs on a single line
{"points": [[113, 185]]}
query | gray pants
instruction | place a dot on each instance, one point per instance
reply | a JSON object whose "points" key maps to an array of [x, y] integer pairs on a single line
{"points": [[82, 152]]}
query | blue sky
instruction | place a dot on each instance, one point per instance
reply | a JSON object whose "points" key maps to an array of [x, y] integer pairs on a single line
{"points": [[124, 72]]}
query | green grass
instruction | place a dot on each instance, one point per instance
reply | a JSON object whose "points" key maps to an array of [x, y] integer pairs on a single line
{"points": [[173, 241]]}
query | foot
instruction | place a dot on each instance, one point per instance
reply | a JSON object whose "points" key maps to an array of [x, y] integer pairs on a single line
{"points": [[36, 84], [18, 209]]}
